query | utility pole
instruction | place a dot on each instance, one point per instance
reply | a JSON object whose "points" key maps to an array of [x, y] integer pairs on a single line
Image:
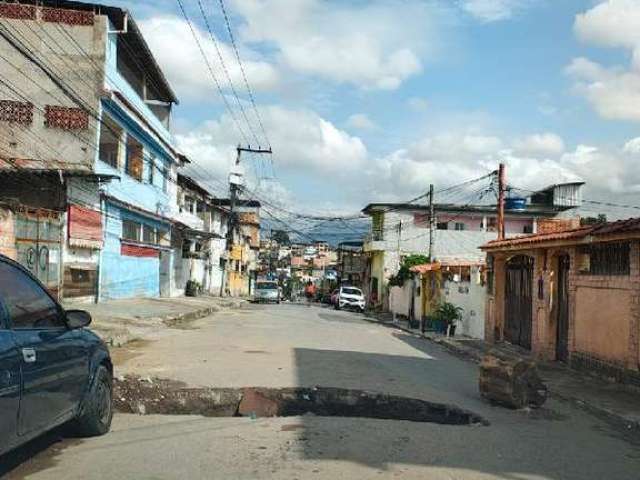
{"points": [[431, 223], [235, 182], [501, 191]]}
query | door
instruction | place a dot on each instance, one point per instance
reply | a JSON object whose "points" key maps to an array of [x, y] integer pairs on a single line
{"points": [[562, 340], [38, 236], [165, 273], [518, 301], [9, 386], [53, 358]]}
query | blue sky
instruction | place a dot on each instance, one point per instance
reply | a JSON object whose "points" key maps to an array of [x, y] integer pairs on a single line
{"points": [[373, 100]]}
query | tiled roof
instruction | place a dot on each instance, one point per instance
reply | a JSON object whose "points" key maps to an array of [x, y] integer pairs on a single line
{"points": [[620, 226]]}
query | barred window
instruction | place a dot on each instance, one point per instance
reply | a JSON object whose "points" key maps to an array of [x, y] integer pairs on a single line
{"points": [[131, 230], [604, 259], [16, 112]]}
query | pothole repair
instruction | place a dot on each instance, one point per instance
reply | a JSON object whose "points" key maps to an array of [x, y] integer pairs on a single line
{"points": [[167, 397]]}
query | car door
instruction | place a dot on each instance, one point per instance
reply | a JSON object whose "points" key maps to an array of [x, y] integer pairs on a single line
{"points": [[54, 360], [9, 383]]}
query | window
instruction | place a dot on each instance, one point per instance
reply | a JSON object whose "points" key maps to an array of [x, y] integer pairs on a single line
{"points": [[131, 230], [492, 224], [604, 259], [28, 304], [110, 135], [442, 225], [149, 234], [165, 179], [527, 229], [460, 226], [152, 169], [135, 155]]}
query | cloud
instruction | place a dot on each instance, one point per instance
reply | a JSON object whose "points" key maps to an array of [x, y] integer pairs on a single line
{"points": [[417, 104], [372, 45], [632, 146], [493, 10], [545, 144], [172, 43], [614, 92], [302, 141], [361, 121]]}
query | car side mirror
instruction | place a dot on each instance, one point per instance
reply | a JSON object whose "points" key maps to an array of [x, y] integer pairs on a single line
{"points": [[78, 319]]}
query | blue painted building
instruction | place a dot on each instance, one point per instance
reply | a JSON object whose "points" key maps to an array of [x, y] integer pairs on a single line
{"points": [[135, 145]]}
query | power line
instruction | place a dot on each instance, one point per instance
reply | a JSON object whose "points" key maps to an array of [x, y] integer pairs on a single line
{"points": [[242, 70], [213, 75], [226, 72]]}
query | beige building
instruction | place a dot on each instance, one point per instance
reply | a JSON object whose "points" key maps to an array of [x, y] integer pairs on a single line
{"points": [[572, 296]]}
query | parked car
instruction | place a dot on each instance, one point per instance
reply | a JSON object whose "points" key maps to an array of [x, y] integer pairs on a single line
{"points": [[52, 369], [267, 292], [351, 298]]}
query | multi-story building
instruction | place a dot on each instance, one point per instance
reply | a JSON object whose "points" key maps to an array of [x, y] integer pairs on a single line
{"points": [[400, 230], [351, 263], [85, 121]]}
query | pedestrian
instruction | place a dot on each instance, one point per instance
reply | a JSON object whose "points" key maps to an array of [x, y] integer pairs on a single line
{"points": [[309, 292]]}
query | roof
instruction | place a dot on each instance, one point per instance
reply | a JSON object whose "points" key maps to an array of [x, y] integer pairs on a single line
{"points": [[225, 202], [629, 225], [536, 210], [436, 266], [189, 183]]}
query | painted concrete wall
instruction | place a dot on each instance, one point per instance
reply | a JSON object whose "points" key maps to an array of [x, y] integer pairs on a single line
{"points": [[85, 76], [123, 276], [7, 233], [471, 297]]}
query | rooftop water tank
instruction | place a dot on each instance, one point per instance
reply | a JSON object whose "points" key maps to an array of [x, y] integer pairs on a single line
{"points": [[515, 203]]}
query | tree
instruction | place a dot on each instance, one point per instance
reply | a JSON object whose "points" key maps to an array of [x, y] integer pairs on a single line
{"points": [[600, 219], [281, 237]]}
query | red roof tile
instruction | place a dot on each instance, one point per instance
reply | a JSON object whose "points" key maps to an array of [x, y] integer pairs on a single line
{"points": [[619, 226]]}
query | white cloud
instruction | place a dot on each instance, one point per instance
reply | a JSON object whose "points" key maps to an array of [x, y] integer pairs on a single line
{"points": [[361, 121], [545, 144], [302, 141], [369, 44], [632, 146], [173, 45], [492, 10], [418, 104], [613, 91]]}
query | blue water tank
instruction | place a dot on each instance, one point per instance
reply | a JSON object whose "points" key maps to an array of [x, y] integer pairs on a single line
{"points": [[515, 203]]}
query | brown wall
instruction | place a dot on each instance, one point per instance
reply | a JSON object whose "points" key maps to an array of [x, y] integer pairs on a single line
{"points": [[604, 311]]}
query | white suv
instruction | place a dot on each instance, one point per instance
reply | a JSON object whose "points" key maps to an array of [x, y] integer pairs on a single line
{"points": [[351, 298]]}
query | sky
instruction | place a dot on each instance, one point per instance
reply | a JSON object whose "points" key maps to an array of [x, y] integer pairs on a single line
{"points": [[371, 101]]}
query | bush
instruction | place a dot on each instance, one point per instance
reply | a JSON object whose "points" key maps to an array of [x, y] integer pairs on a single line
{"points": [[404, 273]]}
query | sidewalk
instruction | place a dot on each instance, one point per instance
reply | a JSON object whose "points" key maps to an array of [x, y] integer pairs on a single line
{"points": [[119, 322], [616, 402]]}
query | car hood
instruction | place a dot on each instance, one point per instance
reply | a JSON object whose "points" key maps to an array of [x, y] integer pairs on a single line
{"points": [[357, 298]]}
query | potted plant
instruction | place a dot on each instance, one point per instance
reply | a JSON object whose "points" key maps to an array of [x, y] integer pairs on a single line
{"points": [[449, 314]]}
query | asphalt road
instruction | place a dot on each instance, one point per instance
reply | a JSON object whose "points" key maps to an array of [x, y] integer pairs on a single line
{"points": [[292, 345]]}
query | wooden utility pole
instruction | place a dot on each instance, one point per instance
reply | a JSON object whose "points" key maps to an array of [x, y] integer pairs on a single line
{"points": [[501, 191], [431, 222]]}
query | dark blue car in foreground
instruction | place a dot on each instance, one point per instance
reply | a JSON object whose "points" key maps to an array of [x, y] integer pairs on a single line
{"points": [[52, 370]]}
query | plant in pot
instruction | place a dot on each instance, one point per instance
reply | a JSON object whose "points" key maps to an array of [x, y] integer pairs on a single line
{"points": [[449, 314]]}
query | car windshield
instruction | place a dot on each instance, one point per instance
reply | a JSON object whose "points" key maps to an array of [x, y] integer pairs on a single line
{"points": [[351, 291], [267, 286]]}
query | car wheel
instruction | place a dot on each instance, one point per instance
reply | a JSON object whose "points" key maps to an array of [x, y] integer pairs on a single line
{"points": [[95, 418]]}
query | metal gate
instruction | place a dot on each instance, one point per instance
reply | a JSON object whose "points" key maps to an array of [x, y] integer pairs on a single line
{"points": [[38, 238], [518, 301], [562, 340]]}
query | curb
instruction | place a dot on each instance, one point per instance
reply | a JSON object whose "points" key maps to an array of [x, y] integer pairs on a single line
{"points": [[472, 355]]}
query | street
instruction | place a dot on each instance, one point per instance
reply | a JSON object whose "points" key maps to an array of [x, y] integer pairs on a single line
{"points": [[295, 345]]}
